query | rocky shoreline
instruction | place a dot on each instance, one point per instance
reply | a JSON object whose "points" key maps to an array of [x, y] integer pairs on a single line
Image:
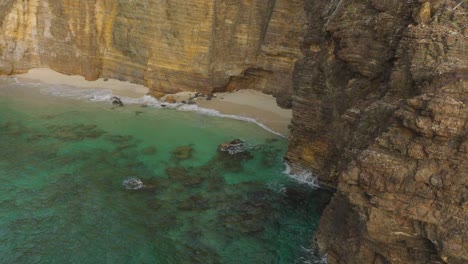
{"points": [[243, 103], [378, 91], [380, 112]]}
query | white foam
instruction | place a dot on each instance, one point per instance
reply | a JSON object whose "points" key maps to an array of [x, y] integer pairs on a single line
{"points": [[105, 95], [311, 258], [211, 112], [302, 176], [100, 95], [276, 187], [9, 78], [132, 183]]}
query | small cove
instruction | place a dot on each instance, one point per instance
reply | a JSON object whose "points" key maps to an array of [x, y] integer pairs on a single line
{"points": [[63, 162]]}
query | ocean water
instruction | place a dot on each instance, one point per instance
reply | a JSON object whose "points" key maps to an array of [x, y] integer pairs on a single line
{"points": [[64, 161]]}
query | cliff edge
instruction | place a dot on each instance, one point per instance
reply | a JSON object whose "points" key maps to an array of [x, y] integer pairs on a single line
{"points": [[379, 95], [168, 46], [380, 111]]}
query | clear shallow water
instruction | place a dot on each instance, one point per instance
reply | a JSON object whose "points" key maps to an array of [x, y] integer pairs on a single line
{"points": [[63, 161]]}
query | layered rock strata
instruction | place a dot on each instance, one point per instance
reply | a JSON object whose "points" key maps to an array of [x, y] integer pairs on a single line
{"points": [[381, 113], [379, 100], [169, 46]]}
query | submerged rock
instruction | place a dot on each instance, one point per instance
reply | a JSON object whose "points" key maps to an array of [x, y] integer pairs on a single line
{"points": [[149, 151], [182, 175], [295, 196], [270, 157], [36, 137], [215, 183], [246, 217], [75, 132], [119, 139], [182, 152], [195, 203]]}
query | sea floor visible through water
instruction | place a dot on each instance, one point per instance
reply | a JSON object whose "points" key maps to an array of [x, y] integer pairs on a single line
{"points": [[63, 163]]}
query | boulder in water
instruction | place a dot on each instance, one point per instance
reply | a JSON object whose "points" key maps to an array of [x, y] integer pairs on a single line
{"points": [[116, 101], [233, 147], [132, 183]]}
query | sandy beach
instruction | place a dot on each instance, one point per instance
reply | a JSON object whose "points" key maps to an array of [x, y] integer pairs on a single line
{"points": [[246, 103], [253, 104], [48, 76]]}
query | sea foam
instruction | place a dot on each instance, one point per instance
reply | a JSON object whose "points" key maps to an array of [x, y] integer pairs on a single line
{"points": [[132, 183], [313, 256], [105, 95], [302, 176]]}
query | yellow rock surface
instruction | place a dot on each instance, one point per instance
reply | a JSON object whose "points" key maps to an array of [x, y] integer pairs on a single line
{"points": [[169, 46]]}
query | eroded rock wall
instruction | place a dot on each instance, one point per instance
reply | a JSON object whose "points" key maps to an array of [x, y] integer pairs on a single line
{"points": [[380, 111], [343, 91], [169, 46], [379, 101]]}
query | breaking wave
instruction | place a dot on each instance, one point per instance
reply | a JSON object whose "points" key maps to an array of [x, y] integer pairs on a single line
{"points": [[313, 256], [303, 177], [105, 95], [8, 79], [211, 112]]}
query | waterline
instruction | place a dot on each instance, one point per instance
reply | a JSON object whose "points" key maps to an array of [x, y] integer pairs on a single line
{"points": [[301, 176], [86, 182], [105, 95]]}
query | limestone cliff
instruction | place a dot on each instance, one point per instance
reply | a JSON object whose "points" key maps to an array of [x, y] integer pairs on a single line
{"points": [[379, 97], [380, 111], [169, 46]]}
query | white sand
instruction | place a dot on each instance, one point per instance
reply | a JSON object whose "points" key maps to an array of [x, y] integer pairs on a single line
{"points": [[253, 104], [247, 103], [48, 76]]}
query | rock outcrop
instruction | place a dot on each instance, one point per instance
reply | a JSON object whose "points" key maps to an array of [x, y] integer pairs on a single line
{"points": [[379, 97], [169, 46], [380, 112]]}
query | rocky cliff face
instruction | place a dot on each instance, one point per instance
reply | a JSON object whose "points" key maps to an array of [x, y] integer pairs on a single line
{"points": [[169, 46], [380, 98], [381, 112]]}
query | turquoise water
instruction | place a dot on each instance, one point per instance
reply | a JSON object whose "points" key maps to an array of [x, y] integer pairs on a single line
{"points": [[63, 162]]}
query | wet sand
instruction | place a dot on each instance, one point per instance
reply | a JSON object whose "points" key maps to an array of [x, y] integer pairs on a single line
{"points": [[48, 76], [246, 103], [253, 104]]}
